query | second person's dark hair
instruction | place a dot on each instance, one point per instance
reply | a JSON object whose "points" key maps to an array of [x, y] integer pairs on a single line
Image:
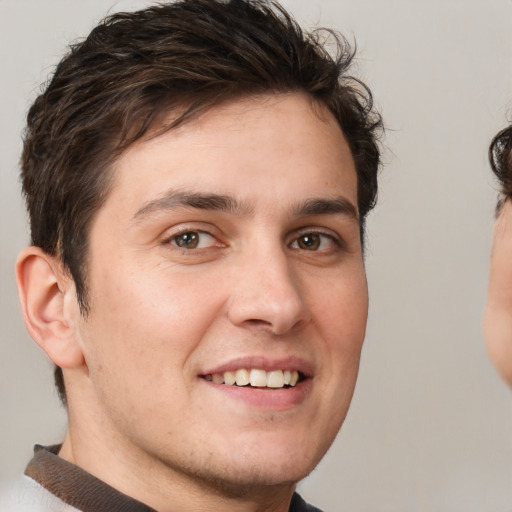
{"points": [[500, 157]]}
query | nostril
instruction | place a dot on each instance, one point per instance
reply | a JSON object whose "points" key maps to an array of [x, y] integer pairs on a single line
{"points": [[258, 324]]}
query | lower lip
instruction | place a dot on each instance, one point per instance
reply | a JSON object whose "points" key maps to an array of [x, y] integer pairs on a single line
{"points": [[270, 399]]}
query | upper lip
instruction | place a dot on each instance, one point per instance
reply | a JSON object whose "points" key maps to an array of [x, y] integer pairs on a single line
{"points": [[263, 363]]}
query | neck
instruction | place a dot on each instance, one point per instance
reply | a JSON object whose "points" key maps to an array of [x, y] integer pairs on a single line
{"points": [[164, 488]]}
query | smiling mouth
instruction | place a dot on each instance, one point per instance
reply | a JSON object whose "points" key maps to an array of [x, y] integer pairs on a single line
{"points": [[257, 378]]}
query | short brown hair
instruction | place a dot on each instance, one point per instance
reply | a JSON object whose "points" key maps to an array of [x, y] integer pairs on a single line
{"points": [[136, 67]]}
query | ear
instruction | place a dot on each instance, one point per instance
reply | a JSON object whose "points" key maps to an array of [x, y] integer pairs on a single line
{"points": [[48, 303], [498, 310]]}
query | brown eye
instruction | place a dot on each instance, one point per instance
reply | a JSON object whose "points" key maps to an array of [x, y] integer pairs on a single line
{"points": [[189, 240], [194, 240], [309, 242]]}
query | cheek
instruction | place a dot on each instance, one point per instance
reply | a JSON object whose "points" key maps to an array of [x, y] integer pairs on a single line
{"points": [[342, 312], [148, 322], [342, 325], [347, 326], [498, 312], [498, 340]]}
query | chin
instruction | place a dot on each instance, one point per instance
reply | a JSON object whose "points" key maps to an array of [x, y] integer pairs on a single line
{"points": [[274, 472], [275, 464], [280, 457], [255, 477], [246, 469]]}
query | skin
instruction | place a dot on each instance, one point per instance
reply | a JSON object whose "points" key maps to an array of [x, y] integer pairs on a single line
{"points": [[252, 292], [498, 310]]}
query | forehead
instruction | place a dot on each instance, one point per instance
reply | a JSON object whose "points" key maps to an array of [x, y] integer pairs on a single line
{"points": [[241, 146]]}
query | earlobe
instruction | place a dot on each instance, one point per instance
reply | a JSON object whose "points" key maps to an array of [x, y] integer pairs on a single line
{"points": [[44, 291]]}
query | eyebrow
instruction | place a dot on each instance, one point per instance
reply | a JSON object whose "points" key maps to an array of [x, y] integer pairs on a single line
{"points": [[224, 203], [201, 201], [322, 206]]}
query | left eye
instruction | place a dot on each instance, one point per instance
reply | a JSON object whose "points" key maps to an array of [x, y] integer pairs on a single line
{"points": [[193, 240], [313, 242]]}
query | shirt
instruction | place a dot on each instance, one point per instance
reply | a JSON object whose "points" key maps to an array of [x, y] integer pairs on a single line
{"points": [[52, 484]]}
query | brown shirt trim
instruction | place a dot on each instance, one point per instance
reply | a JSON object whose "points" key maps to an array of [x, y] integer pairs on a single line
{"points": [[75, 486]]}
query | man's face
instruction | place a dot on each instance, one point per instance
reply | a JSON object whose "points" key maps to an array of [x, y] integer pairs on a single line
{"points": [[229, 246], [498, 311]]}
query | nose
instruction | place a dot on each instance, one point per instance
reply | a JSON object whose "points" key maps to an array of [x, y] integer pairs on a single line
{"points": [[268, 295]]}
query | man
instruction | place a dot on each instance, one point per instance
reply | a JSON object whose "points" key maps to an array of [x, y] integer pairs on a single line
{"points": [[498, 312], [197, 176]]}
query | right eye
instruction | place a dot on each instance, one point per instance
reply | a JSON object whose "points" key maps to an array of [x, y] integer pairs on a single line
{"points": [[193, 240]]}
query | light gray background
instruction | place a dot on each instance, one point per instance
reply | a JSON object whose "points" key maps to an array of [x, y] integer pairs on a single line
{"points": [[430, 428]]}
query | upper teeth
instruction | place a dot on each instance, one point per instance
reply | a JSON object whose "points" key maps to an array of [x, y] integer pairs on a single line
{"points": [[256, 378]]}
